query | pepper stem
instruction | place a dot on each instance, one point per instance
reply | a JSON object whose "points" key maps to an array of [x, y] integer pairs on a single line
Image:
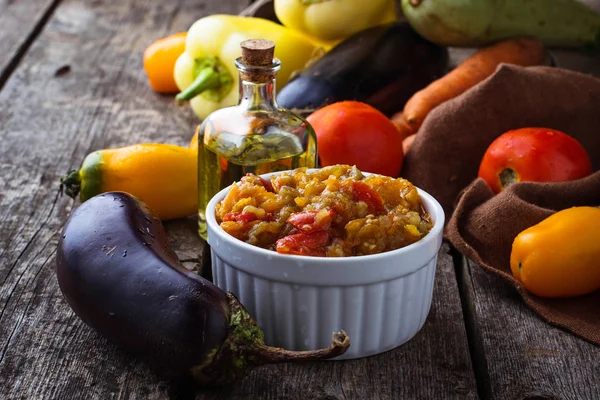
{"points": [[208, 78], [71, 183], [212, 78], [244, 348]]}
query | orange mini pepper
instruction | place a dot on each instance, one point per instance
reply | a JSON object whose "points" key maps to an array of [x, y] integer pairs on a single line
{"points": [[159, 62], [560, 256], [163, 176]]}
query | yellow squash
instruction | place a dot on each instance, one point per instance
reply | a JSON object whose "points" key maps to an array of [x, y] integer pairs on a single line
{"points": [[334, 19], [163, 176], [560, 256]]}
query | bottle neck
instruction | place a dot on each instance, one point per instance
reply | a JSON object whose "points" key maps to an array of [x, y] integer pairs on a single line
{"points": [[258, 96]]}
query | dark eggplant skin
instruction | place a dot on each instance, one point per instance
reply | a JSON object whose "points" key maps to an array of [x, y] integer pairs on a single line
{"points": [[382, 66], [119, 275]]}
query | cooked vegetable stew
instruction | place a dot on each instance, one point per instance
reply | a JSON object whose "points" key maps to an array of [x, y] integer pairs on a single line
{"points": [[335, 211]]}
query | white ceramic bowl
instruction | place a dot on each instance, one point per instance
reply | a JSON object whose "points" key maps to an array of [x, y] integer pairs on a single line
{"points": [[380, 300]]}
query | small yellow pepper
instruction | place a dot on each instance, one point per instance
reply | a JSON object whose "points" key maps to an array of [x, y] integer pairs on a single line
{"points": [[206, 72], [163, 176], [334, 19], [560, 256]]}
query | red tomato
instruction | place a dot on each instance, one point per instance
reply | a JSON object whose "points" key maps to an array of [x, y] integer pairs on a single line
{"points": [[303, 244], [354, 133], [534, 155]]}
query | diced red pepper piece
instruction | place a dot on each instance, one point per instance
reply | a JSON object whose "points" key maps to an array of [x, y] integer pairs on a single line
{"points": [[363, 192], [267, 185], [246, 217], [304, 244], [269, 217], [237, 216], [306, 221]]}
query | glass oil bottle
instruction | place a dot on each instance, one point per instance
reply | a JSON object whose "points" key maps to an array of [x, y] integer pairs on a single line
{"points": [[256, 136]]}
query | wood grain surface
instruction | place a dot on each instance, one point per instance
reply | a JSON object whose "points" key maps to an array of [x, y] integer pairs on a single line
{"points": [[435, 364], [20, 23], [520, 355], [48, 124], [71, 81]]}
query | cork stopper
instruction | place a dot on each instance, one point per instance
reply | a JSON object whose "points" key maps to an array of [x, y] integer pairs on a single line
{"points": [[258, 53]]}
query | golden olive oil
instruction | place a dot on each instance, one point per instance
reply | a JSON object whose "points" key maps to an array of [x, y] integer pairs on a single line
{"points": [[256, 136]]}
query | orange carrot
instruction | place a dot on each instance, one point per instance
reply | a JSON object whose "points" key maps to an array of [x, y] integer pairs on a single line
{"points": [[520, 51], [397, 118], [402, 127], [407, 142]]}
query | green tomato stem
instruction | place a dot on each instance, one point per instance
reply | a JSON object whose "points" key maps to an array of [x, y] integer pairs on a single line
{"points": [[507, 177]]}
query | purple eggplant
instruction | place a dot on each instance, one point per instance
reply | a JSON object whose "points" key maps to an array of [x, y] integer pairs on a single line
{"points": [[382, 66], [119, 275]]}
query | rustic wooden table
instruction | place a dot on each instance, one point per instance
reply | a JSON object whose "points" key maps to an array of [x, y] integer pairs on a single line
{"points": [[480, 340]]}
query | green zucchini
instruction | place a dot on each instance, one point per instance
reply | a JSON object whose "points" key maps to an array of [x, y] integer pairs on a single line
{"points": [[471, 23]]}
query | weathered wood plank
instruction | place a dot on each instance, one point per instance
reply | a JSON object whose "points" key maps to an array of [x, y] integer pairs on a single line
{"points": [[48, 124], [20, 23], [523, 356], [435, 364]]}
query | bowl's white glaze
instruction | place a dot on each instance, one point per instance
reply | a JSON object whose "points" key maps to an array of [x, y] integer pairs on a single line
{"points": [[380, 300]]}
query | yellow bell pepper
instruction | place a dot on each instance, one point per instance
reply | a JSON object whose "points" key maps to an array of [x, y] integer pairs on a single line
{"points": [[206, 73], [560, 256], [334, 19]]}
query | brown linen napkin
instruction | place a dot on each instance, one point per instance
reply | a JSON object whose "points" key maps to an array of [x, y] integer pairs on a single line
{"points": [[484, 226], [446, 153], [444, 161]]}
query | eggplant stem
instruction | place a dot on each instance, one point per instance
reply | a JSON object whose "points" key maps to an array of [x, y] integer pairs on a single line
{"points": [[269, 355], [244, 348]]}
